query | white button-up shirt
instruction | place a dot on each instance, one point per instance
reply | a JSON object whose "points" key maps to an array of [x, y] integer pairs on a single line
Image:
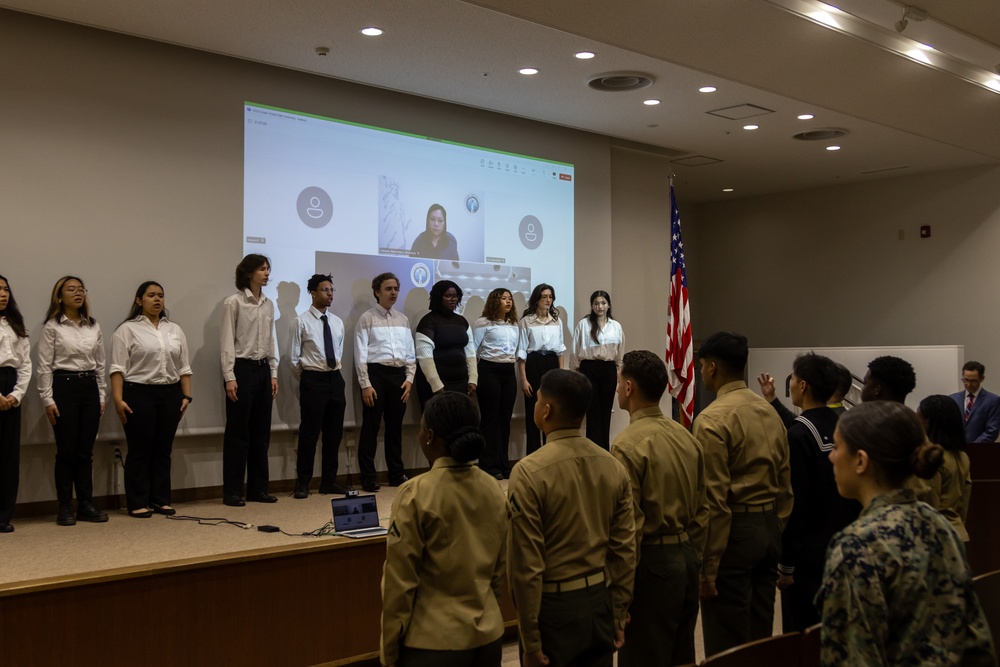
{"points": [[66, 346], [146, 354], [610, 345], [247, 332], [495, 341], [15, 352], [308, 349], [538, 336], [383, 337]]}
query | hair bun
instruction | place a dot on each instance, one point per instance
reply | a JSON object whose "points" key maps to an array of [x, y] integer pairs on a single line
{"points": [[466, 443], [926, 459]]}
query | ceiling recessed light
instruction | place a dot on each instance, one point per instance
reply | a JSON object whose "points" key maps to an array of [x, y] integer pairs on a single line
{"points": [[528, 71], [920, 56], [651, 103], [371, 32], [727, 189], [750, 127], [707, 89], [833, 148], [585, 55], [806, 116]]}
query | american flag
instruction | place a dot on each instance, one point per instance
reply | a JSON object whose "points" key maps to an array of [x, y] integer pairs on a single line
{"points": [[680, 356]]}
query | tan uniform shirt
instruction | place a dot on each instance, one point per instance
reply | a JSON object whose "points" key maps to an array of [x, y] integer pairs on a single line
{"points": [[571, 515], [746, 462], [955, 487], [444, 561], [667, 470]]}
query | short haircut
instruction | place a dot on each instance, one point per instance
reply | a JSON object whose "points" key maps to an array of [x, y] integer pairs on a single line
{"points": [[436, 301], [648, 372], [943, 421], [317, 280], [975, 366], [819, 372], [845, 379], [245, 269], [381, 278], [894, 374], [569, 391], [727, 349]]}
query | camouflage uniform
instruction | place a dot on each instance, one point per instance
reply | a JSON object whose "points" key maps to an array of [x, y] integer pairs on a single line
{"points": [[897, 591]]}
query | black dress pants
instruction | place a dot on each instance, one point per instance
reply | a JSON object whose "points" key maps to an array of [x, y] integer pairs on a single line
{"points": [[321, 405], [149, 431], [488, 655], [387, 382], [535, 366], [603, 376], [248, 430], [79, 403], [10, 448], [497, 391], [578, 627]]}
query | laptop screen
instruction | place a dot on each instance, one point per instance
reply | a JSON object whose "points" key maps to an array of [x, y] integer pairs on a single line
{"points": [[354, 513]]}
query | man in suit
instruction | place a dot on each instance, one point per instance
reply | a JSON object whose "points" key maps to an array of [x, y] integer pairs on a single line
{"points": [[980, 408]]}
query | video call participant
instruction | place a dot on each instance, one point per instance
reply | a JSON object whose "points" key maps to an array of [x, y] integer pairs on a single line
{"points": [[980, 408], [72, 387], [598, 345], [897, 589], [572, 549], [15, 372], [316, 356], [385, 362], [445, 556], [667, 471], [446, 355], [495, 337], [250, 370], [540, 349], [749, 497], [435, 242], [151, 387]]}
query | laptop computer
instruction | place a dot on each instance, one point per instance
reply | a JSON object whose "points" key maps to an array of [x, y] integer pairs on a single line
{"points": [[356, 517]]}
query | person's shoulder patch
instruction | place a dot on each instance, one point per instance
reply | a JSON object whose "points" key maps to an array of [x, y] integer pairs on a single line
{"points": [[393, 535]]}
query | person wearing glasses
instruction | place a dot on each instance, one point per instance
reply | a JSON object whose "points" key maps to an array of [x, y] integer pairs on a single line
{"points": [[980, 408], [317, 353], [446, 355], [72, 387], [15, 371]]}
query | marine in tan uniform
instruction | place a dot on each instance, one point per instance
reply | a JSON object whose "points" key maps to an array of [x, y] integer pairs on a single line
{"points": [[445, 551], [749, 498], [667, 470], [571, 553]]}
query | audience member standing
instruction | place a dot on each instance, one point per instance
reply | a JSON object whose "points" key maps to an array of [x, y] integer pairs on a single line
{"points": [[72, 387], [897, 588], [571, 554], [317, 353], [749, 497], [667, 470], [151, 386], [598, 345], [15, 372], [540, 349], [495, 338], [888, 379], [980, 408], [250, 371], [446, 550], [385, 362], [942, 422]]}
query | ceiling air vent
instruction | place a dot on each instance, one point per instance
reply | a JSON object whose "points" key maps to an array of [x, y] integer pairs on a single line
{"points": [[620, 81], [820, 135]]}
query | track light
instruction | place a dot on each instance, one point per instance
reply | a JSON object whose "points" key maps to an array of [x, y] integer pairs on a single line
{"points": [[910, 12]]}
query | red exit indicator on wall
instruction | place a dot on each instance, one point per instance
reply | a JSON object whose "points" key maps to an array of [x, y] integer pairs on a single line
{"points": [[925, 231]]}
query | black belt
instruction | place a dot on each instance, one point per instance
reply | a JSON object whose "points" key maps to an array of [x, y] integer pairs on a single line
{"points": [[741, 508], [252, 362], [542, 353], [75, 374], [665, 539]]}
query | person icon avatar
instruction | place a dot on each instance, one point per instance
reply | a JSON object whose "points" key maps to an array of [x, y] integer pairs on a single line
{"points": [[530, 234], [314, 211]]}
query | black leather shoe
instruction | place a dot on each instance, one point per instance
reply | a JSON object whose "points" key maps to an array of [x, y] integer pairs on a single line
{"points": [[6, 528], [262, 498], [141, 514], [338, 489], [398, 481], [370, 487], [301, 492], [165, 511], [65, 516], [86, 511], [233, 501]]}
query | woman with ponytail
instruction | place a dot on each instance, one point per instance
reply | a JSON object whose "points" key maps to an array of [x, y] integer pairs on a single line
{"points": [[446, 550], [897, 588]]}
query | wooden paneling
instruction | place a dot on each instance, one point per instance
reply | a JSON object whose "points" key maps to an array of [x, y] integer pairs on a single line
{"points": [[984, 538]]}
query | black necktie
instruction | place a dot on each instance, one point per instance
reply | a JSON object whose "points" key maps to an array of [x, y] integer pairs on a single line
{"points": [[331, 357]]}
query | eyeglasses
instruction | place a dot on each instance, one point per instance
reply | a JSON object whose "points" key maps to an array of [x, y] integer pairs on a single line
{"points": [[327, 290], [75, 290]]}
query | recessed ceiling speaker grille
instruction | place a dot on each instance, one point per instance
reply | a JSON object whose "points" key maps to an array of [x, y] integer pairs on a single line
{"points": [[617, 82], [820, 135]]}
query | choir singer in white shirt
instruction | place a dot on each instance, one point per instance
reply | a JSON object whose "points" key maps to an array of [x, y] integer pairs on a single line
{"points": [[15, 371], [598, 345]]}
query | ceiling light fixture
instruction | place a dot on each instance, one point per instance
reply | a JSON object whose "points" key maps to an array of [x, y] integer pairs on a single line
{"points": [[371, 32], [727, 189], [910, 12], [805, 116], [651, 103], [833, 148], [528, 71], [585, 55], [751, 127], [712, 89]]}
